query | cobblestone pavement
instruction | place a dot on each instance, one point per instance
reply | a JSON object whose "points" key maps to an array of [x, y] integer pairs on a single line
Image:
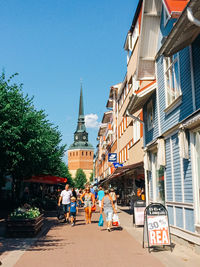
{"points": [[81, 245]]}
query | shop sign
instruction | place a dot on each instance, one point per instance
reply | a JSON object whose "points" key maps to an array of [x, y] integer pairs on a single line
{"points": [[156, 226], [112, 157], [117, 165], [139, 215]]}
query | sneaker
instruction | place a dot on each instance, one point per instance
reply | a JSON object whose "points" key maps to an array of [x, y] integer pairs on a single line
{"points": [[72, 224], [109, 230]]}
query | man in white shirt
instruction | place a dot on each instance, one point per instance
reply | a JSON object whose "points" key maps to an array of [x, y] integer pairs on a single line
{"points": [[65, 196]]}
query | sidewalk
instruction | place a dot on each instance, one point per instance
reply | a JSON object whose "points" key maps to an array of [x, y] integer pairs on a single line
{"points": [[181, 255], [90, 245], [81, 246]]}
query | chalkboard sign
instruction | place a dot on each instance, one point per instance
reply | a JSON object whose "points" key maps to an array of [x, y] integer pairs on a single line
{"points": [[156, 226]]}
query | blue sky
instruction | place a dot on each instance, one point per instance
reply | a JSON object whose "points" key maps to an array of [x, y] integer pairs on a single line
{"points": [[54, 43]]}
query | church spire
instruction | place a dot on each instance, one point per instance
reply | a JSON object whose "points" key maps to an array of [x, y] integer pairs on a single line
{"points": [[81, 110], [80, 135], [81, 117]]}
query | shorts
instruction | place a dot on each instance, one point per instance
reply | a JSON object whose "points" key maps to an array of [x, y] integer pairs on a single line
{"points": [[100, 203], [72, 214], [66, 208], [109, 215]]}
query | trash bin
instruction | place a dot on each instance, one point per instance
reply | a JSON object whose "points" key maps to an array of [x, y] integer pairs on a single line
{"points": [[138, 212]]}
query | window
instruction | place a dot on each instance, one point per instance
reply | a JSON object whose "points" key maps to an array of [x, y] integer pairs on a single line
{"points": [[125, 154], [166, 16], [86, 153], [90, 153], [73, 154], [82, 153], [172, 78], [150, 115], [156, 181], [136, 131], [76, 153]]}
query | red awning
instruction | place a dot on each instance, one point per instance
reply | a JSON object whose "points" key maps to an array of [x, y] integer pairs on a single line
{"points": [[47, 180]]}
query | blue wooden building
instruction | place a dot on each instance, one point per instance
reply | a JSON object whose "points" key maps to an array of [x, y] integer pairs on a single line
{"points": [[172, 123], [171, 114]]}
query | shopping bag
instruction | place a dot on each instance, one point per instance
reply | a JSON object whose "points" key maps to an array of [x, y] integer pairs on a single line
{"points": [[93, 208], [101, 220], [60, 214], [115, 221]]}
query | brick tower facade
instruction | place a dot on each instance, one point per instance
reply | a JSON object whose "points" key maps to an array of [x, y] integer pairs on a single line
{"points": [[81, 152]]}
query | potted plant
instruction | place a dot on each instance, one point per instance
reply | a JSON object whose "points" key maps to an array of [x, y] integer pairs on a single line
{"points": [[24, 221]]}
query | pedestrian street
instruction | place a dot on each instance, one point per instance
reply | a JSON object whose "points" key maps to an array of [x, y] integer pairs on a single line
{"points": [[60, 244]]}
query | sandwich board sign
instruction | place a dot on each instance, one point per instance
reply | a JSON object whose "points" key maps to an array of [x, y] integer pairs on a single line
{"points": [[156, 226]]}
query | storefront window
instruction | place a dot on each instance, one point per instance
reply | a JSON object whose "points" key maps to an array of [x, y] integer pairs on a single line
{"points": [[158, 181], [160, 188]]}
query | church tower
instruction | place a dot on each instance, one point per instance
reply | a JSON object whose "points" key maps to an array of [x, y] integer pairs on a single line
{"points": [[81, 152]]}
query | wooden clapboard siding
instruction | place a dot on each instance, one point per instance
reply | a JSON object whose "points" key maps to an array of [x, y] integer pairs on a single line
{"points": [[169, 186], [179, 217], [188, 184], [189, 220], [177, 169], [171, 214]]}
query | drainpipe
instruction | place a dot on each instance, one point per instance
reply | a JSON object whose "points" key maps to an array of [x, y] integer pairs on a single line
{"points": [[191, 17]]}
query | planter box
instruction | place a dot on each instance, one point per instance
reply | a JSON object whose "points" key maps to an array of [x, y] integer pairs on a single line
{"points": [[24, 227]]}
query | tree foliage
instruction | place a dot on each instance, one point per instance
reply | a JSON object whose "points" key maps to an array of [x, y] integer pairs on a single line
{"points": [[80, 179], [64, 172], [29, 143], [91, 177]]}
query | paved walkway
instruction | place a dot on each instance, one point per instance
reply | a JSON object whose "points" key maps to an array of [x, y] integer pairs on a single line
{"points": [[82, 245], [90, 245]]}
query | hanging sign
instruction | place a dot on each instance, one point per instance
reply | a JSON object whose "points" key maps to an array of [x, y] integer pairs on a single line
{"points": [[156, 226], [112, 157], [117, 165]]}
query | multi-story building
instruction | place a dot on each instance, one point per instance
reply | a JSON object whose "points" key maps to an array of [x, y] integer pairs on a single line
{"points": [[81, 152], [107, 136]]}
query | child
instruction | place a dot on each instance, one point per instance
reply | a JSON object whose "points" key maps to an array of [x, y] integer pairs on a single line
{"points": [[73, 209]]}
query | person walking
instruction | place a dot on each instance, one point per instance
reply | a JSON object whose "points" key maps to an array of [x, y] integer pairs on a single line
{"points": [[89, 202], [65, 197], [100, 195], [114, 197], [73, 210], [109, 208], [74, 193]]}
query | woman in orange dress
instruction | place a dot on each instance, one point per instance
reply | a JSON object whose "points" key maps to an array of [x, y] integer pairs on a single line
{"points": [[89, 202]]}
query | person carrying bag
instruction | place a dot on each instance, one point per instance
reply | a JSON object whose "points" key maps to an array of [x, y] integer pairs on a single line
{"points": [[108, 206]]}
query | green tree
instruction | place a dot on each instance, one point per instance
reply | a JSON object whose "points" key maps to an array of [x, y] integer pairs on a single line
{"points": [[80, 179], [64, 172], [29, 143], [91, 177]]}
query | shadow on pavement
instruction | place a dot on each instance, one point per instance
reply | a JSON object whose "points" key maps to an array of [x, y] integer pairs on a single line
{"points": [[163, 248]]}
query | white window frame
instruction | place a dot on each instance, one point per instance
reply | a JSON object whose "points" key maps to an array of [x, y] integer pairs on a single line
{"points": [[195, 179], [169, 63], [136, 131], [166, 16]]}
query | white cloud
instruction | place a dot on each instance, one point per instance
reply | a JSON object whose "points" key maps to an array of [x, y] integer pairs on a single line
{"points": [[91, 121]]}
